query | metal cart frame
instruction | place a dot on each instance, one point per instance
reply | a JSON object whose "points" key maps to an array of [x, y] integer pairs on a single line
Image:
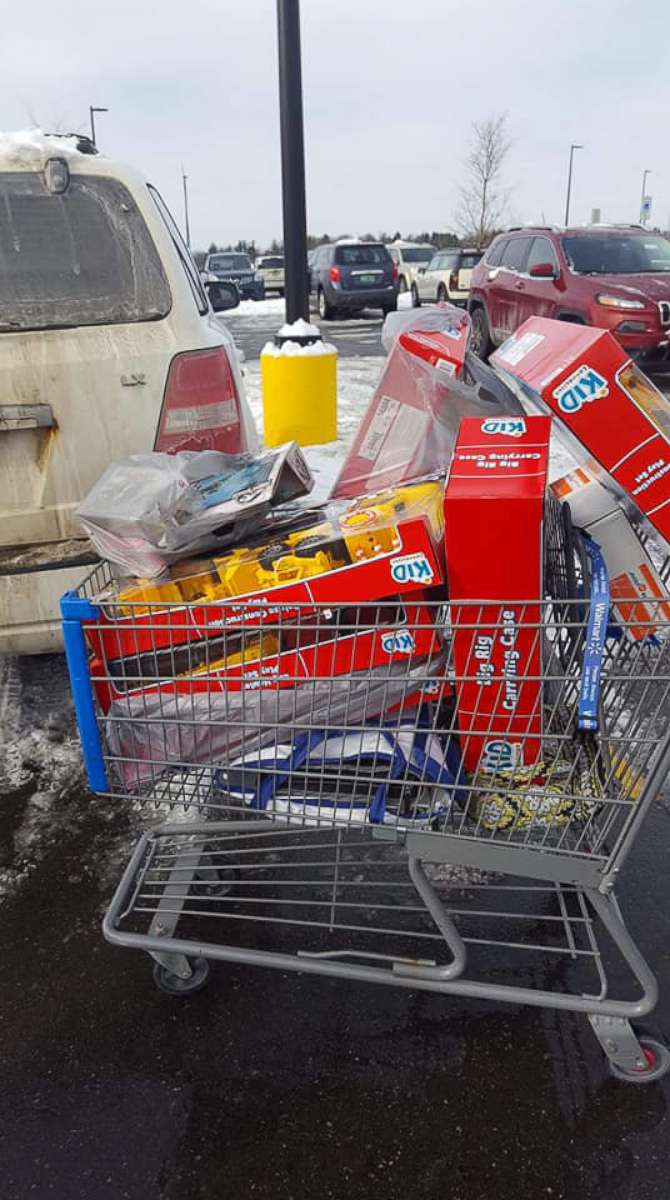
{"points": [[198, 869]]}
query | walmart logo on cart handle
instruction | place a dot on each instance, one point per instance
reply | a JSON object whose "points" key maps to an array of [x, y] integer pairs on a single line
{"points": [[583, 386], [411, 568]]}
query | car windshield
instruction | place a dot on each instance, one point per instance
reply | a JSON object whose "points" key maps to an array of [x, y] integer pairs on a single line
{"points": [[362, 256], [271, 262], [80, 257], [617, 254], [414, 254], [229, 262]]}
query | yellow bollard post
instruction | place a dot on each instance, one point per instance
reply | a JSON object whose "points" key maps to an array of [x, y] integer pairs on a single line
{"points": [[299, 386]]}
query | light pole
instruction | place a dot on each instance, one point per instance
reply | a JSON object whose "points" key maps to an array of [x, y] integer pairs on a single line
{"points": [[184, 179], [573, 147], [644, 192], [94, 109], [292, 160]]}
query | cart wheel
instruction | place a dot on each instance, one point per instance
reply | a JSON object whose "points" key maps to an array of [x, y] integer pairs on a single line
{"points": [[166, 981], [216, 883], [658, 1063]]}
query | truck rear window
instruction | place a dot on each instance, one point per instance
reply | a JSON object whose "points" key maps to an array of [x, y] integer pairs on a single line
{"points": [[362, 256], [83, 257]]}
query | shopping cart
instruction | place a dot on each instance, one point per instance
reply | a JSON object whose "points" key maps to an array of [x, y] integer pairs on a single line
{"points": [[333, 819]]}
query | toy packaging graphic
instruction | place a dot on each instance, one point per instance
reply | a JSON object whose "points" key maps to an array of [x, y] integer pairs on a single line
{"points": [[383, 545], [634, 580], [494, 511], [602, 399], [330, 643], [411, 424], [150, 510]]}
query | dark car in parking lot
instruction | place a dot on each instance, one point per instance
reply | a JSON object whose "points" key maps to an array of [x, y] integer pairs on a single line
{"points": [[616, 278], [238, 269], [347, 277]]}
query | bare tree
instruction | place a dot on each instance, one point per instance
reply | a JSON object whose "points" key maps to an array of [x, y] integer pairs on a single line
{"points": [[482, 199]]}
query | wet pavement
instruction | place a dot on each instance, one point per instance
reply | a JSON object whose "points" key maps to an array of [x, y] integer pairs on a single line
{"points": [[284, 1086]]}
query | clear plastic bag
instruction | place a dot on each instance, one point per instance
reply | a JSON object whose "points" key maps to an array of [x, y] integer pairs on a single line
{"points": [[150, 510], [147, 734], [429, 383]]}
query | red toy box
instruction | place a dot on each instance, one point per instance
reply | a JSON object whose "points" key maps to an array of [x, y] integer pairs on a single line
{"points": [[329, 643], [387, 544], [613, 412], [494, 511]]}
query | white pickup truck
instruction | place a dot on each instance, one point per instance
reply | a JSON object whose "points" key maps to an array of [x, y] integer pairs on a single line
{"points": [[109, 346]]}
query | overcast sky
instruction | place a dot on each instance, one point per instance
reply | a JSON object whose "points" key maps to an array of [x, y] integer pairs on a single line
{"points": [[390, 90]]}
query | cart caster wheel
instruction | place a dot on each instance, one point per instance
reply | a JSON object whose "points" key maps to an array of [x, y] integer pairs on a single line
{"points": [[658, 1063], [166, 981], [216, 883]]}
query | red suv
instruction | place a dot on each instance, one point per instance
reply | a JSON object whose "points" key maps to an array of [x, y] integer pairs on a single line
{"points": [[616, 277]]}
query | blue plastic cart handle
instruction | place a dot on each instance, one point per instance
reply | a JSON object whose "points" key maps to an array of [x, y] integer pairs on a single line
{"points": [[74, 610]]}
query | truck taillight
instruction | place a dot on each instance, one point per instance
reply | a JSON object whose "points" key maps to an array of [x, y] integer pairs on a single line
{"points": [[334, 274], [201, 409], [453, 281]]}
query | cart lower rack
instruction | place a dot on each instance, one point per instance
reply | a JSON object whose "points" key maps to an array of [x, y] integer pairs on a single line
{"points": [[442, 797]]}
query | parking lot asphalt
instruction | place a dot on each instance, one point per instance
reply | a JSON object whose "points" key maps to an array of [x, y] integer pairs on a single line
{"points": [[353, 337], [279, 1085]]}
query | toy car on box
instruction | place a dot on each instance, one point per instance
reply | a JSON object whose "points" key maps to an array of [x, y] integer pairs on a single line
{"points": [[361, 533]]}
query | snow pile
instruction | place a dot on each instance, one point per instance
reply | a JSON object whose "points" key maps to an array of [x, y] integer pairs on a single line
{"points": [[40, 762], [300, 329], [296, 349], [32, 147], [259, 308]]}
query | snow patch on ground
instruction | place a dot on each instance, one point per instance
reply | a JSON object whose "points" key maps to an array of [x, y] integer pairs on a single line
{"points": [[260, 308], [40, 762]]}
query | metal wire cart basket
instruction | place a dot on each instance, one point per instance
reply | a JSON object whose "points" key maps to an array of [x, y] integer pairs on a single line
{"points": [[425, 794]]}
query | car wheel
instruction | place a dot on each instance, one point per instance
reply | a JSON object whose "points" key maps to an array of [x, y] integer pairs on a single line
{"points": [[402, 284], [442, 293], [324, 309], [416, 299], [480, 336]]}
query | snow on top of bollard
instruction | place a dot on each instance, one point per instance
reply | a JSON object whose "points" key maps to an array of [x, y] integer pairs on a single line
{"points": [[291, 349], [300, 328]]}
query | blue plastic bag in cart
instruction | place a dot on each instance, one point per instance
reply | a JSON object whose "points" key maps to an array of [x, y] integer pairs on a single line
{"points": [[396, 773]]}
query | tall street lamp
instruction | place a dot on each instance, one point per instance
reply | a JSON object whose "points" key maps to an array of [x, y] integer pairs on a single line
{"points": [[92, 108], [574, 146], [644, 193]]}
